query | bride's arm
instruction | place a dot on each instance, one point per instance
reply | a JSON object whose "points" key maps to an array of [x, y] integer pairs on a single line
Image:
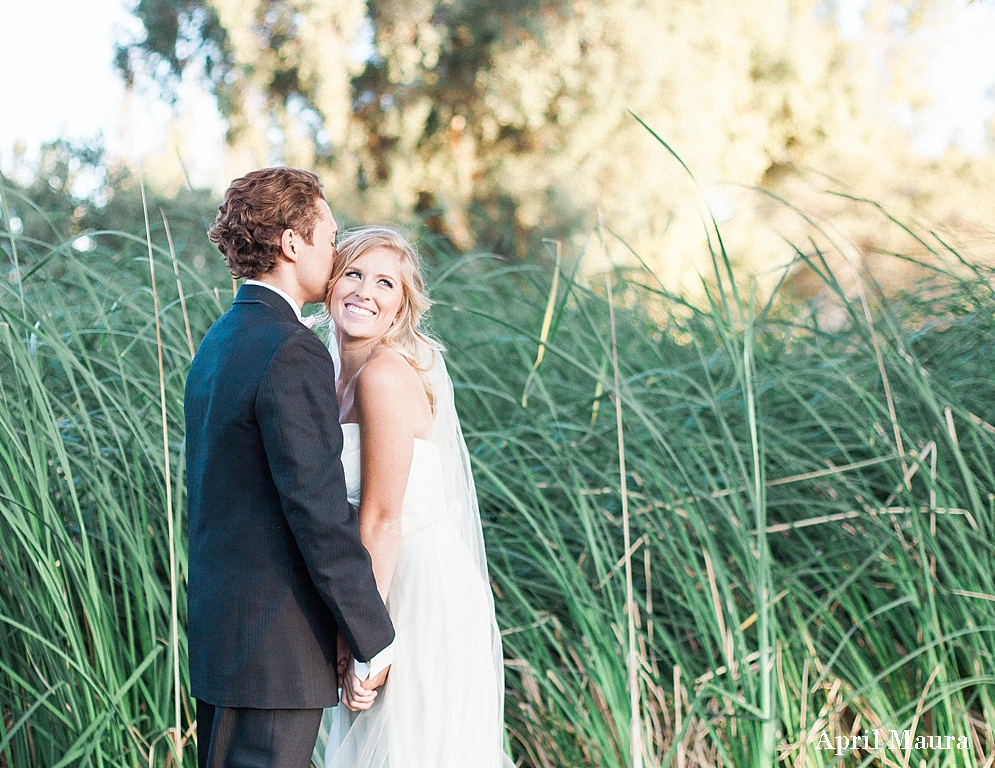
{"points": [[386, 412]]}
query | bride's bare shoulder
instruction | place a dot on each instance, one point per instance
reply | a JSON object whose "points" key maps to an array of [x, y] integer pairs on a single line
{"points": [[389, 392], [388, 378], [386, 370]]}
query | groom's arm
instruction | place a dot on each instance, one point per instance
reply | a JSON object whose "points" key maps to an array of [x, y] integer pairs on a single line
{"points": [[298, 418]]}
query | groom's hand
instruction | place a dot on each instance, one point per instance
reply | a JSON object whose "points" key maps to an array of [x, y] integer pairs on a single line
{"points": [[372, 683], [354, 695]]}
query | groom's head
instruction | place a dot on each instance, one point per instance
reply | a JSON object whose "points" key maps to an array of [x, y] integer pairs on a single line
{"points": [[251, 228]]}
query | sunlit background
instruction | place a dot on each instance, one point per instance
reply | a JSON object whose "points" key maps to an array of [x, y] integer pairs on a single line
{"points": [[77, 93], [893, 101]]}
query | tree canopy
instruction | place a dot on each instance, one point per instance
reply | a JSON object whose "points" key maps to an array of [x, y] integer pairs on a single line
{"points": [[523, 112]]}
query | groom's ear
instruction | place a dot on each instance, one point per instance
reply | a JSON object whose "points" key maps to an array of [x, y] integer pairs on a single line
{"points": [[287, 244]]}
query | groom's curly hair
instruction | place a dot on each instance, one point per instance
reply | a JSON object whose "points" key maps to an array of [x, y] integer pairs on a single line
{"points": [[257, 208]]}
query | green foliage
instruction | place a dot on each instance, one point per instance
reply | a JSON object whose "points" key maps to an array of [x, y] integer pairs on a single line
{"points": [[179, 33], [787, 579], [69, 192], [85, 646], [876, 595]]}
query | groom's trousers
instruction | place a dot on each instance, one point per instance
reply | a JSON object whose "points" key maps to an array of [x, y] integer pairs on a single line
{"points": [[231, 737]]}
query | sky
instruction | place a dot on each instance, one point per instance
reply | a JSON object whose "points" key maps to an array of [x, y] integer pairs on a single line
{"points": [[59, 81], [962, 79], [57, 57]]}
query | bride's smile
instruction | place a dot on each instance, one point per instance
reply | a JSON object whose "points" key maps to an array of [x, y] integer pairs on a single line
{"points": [[354, 309], [368, 297]]}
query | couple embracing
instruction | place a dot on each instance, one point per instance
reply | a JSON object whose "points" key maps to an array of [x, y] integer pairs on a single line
{"points": [[335, 541]]}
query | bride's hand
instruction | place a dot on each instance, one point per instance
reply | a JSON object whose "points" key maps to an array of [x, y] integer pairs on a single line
{"points": [[354, 696]]}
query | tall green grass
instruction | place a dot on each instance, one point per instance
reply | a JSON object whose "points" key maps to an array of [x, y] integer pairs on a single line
{"points": [[794, 571], [829, 491], [85, 628]]}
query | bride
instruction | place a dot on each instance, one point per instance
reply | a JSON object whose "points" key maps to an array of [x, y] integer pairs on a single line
{"points": [[408, 470]]}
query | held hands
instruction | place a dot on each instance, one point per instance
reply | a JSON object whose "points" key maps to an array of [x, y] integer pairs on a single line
{"points": [[357, 694], [354, 696]]}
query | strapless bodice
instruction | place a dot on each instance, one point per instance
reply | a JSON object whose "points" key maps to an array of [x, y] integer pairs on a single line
{"points": [[424, 501]]}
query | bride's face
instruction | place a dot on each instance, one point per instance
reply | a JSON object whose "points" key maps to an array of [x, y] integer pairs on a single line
{"points": [[368, 297]]}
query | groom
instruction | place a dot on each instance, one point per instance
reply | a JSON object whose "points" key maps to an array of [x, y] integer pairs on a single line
{"points": [[277, 569]]}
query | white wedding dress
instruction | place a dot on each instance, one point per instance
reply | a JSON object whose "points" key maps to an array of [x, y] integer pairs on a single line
{"points": [[442, 705]]}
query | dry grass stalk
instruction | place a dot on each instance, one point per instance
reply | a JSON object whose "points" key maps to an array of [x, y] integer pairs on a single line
{"points": [[174, 620]]}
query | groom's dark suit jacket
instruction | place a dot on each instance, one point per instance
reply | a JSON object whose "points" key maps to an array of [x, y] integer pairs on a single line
{"points": [[276, 563]]}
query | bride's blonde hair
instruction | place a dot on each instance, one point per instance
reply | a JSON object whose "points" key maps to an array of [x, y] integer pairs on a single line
{"points": [[404, 335]]}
